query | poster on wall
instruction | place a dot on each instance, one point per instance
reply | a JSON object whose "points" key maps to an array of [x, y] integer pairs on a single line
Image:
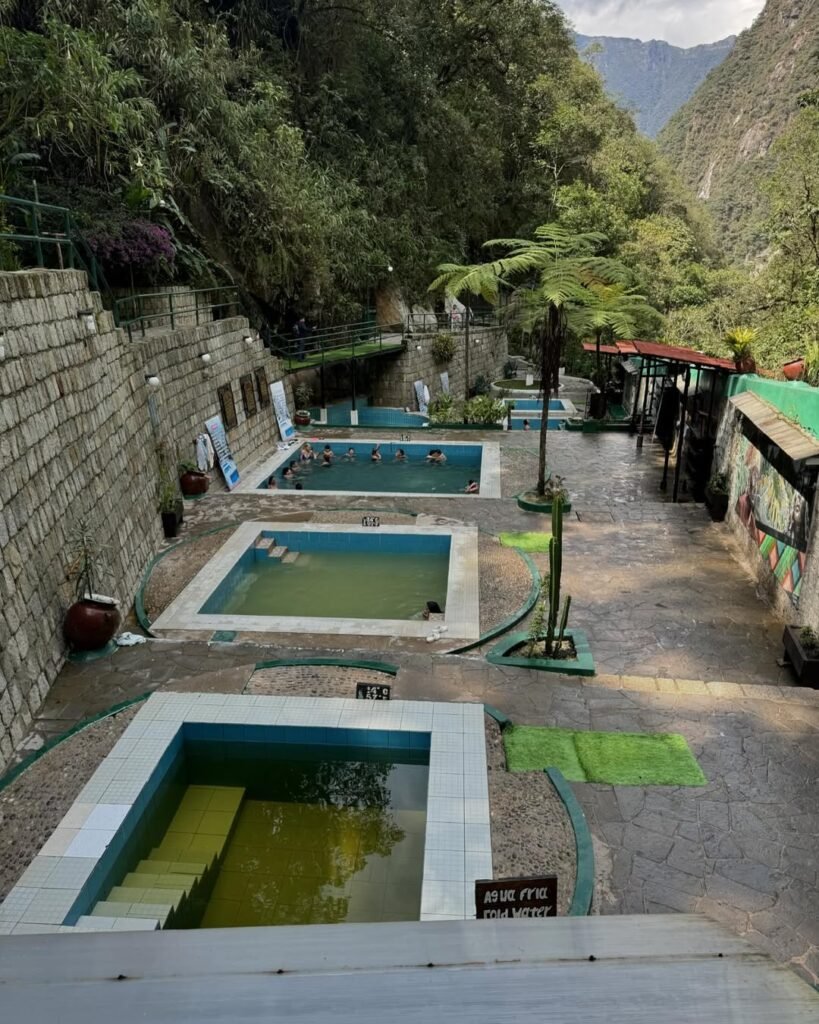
{"points": [[224, 457], [262, 387], [445, 382], [286, 428], [420, 394], [774, 513], [228, 406], [248, 394]]}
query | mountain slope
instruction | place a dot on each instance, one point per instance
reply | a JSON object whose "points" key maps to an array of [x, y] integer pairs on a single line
{"points": [[653, 79], [720, 140]]}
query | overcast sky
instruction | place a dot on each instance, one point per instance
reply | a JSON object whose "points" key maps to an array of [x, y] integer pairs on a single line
{"points": [[682, 22]]}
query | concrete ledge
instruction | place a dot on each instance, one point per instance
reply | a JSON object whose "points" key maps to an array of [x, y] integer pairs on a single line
{"points": [[717, 689]]}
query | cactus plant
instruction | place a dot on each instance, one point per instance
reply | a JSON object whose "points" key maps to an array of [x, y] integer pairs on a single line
{"points": [[553, 618]]}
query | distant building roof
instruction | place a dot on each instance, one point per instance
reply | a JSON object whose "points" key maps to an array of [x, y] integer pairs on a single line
{"points": [[674, 354]]}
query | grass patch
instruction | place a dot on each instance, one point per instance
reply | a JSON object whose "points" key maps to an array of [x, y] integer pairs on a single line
{"points": [[515, 384], [616, 758], [526, 541]]}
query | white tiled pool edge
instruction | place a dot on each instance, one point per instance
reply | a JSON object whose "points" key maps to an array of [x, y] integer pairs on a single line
{"points": [[457, 848], [462, 609], [490, 482]]}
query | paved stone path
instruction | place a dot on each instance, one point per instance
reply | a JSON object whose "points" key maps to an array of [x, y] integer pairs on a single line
{"points": [[682, 645]]}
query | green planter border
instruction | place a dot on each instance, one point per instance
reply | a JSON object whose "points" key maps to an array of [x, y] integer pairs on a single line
{"points": [[584, 849], [373, 666], [583, 666], [545, 509]]}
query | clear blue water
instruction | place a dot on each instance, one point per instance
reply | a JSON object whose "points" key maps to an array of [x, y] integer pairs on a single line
{"points": [[535, 424], [413, 475], [536, 404], [338, 415]]}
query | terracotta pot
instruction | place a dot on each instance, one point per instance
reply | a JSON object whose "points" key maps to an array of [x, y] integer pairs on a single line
{"points": [[302, 418], [90, 625], [794, 369], [192, 482], [745, 364]]}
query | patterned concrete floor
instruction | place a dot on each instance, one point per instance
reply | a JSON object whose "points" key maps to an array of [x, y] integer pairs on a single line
{"points": [[682, 645]]}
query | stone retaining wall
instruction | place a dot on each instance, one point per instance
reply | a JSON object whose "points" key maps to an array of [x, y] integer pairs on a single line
{"points": [[395, 385], [77, 439]]}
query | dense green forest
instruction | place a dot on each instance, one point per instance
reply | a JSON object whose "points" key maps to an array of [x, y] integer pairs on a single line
{"points": [[300, 146]]}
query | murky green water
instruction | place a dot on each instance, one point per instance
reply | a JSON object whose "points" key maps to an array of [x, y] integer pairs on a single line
{"points": [[342, 841], [360, 585]]}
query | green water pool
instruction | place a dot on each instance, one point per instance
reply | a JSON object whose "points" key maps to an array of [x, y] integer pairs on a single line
{"points": [[320, 842], [335, 584]]}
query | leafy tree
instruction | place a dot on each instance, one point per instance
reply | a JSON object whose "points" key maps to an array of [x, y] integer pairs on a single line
{"points": [[553, 285]]}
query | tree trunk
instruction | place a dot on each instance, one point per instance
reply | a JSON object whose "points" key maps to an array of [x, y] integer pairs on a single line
{"points": [[597, 334], [550, 347], [466, 350]]}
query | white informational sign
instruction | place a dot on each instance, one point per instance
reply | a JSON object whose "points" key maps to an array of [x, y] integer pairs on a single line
{"points": [[445, 382], [224, 457], [286, 428], [419, 394], [530, 379]]}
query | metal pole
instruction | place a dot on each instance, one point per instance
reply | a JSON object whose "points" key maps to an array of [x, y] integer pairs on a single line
{"points": [[321, 381], [352, 378], [466, 351], [636, 403], [650, 366], [681, 439]]}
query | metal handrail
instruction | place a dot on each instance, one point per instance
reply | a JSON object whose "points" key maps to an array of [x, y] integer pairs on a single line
{"points": [[140, 320], [71, 248], [304, 351]]}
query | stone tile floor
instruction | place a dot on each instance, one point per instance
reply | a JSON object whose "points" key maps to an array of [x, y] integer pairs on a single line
{"points": [[674, 622]]}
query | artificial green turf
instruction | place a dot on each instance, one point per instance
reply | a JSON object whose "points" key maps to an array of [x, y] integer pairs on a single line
{"points": [[526, 541], [617, 758]]}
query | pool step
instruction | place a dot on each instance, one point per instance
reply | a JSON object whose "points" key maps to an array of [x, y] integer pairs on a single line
{"points": [[290, 557], [266, 548], [172, 884]]}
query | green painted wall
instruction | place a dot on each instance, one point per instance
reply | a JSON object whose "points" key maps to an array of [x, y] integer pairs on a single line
{"points": [[795, 399]]}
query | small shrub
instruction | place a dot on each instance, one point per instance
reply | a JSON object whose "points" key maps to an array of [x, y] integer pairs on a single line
{"points": [[482, 385], [443, 347], [555, 488], [444, 409], [303, 395], [811, 375], [718, 484], [510, 368], [809, 639], [484, 410]]}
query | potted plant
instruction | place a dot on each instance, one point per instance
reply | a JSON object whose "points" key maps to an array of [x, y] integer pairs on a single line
{"points": [[169, 501], [192, 480], [716, 496], [304, 396], [93, 619], [554, 490], [443, 347], [740, 341], [802, 651], [794, 369]]}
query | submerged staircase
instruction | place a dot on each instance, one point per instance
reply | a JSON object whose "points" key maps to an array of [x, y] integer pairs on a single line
{"points": [[170, 888]]}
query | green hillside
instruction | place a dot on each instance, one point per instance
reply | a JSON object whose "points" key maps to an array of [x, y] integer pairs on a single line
{"points": [[720, 141], [652, 79]]}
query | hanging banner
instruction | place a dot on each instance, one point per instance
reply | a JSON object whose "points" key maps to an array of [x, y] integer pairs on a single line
{"points": [[224, 457], [419, 394], [445, 382], [286, 428]]}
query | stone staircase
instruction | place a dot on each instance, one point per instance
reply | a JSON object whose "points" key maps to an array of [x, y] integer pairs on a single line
{"points": [[266, 549], [170, 887]]}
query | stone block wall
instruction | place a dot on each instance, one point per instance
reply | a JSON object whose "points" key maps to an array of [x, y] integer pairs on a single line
{"points": [[77, 440], [395, 385]]}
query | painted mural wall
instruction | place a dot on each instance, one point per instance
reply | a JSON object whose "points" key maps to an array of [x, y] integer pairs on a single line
{"points": [[775, 514]]}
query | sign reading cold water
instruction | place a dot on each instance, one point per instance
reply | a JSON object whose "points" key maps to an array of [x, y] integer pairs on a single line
{"points": [[421, 396], [286, 428], [370, 520], [445, 382], [516, 897], [372, 691], [224, 456]]}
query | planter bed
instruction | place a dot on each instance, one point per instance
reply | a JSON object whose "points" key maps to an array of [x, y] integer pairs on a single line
{"points": [[805, 665], [544, 507], [582, 665]]}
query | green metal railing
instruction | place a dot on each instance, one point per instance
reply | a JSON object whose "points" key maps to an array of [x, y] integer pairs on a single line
{"points": [[42, 235], [342, 341], [186, 308], [454, 321]]}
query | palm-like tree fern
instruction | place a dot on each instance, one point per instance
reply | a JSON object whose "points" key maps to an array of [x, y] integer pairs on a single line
{"points": [[554, 285]]}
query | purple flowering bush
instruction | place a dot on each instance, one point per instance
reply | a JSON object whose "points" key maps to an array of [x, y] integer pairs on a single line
{"points": [[137, 247]]}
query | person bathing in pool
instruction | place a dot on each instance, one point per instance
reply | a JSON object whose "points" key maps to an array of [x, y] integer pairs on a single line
{"points": [[471, 487], [307, 453], [350, 456], [291, 471], [326, 460], [400, 455], [436, 457], [327, 454], [375, 454], [271, 482]]}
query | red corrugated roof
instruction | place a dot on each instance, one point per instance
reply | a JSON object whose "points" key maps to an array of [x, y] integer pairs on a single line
{"points": [[607, 350], [675, 354]]}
